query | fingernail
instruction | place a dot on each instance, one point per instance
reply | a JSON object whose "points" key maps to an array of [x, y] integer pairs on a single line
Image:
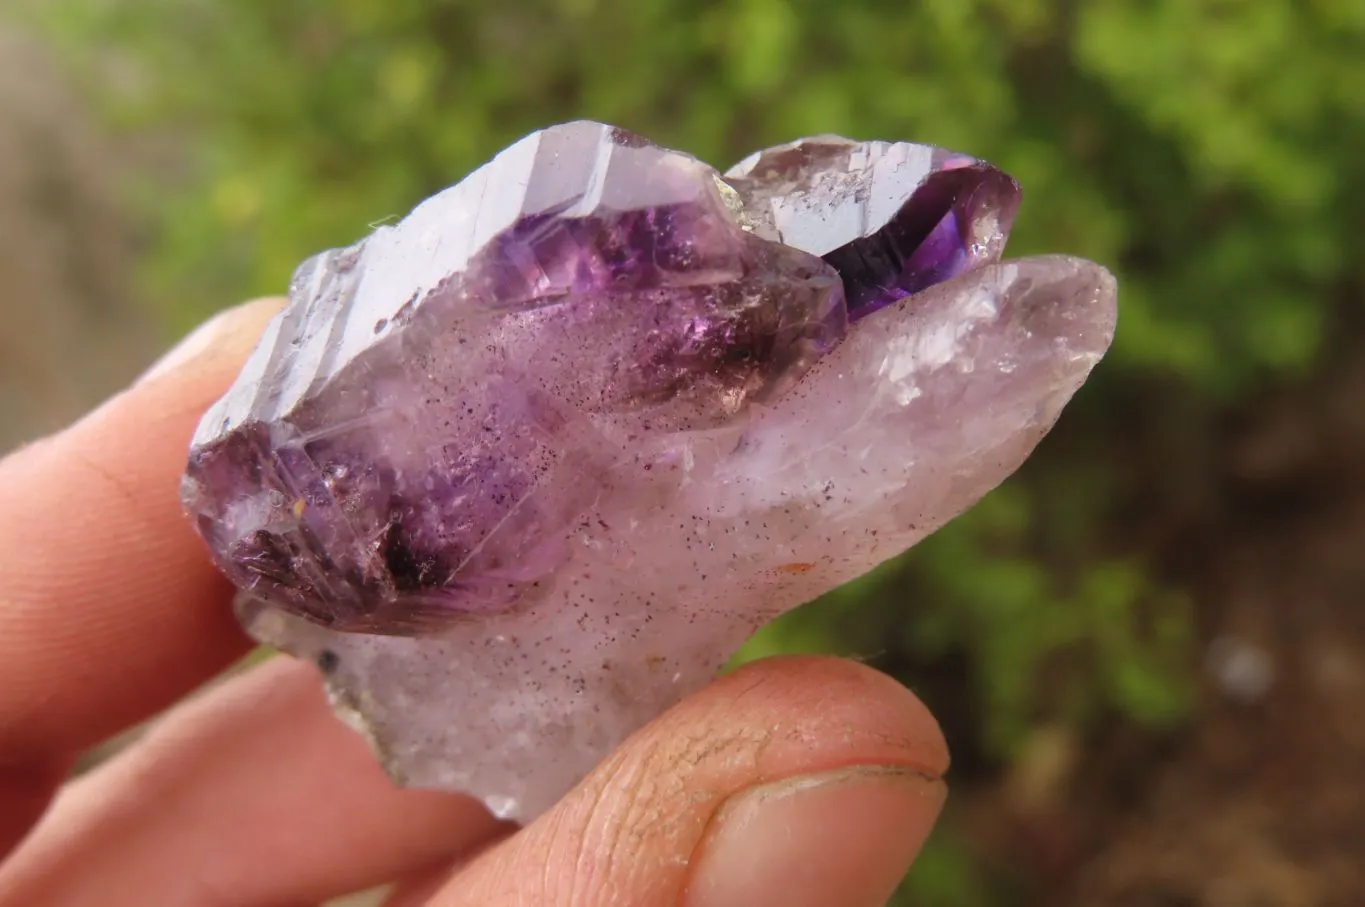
{"points": [[211, 334], [844, 837]]}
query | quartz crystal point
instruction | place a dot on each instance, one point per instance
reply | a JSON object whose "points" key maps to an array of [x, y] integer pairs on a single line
{"points": [[524, 469]]}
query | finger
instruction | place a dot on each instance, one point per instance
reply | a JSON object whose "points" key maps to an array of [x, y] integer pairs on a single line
{"points": [[109, 607], [251, 794], [797, 781]]}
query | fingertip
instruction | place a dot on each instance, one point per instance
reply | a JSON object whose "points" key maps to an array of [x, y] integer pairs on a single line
{"points": [[112, 609], [224, 339], [822, 693], [633, 829], [844, 837]]}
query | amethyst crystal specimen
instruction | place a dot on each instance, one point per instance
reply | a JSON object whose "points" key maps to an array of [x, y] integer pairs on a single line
{"points": [[526, 468]]}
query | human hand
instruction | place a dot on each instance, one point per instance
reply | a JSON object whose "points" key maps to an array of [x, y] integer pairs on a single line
{"points": [[793, 781]]}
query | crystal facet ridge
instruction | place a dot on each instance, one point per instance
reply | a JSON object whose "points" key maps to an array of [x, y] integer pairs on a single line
{"points": [[524, 469]]}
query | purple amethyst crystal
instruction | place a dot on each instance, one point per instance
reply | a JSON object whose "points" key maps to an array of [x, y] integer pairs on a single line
{"points": [[525, 468], [405, 458]]}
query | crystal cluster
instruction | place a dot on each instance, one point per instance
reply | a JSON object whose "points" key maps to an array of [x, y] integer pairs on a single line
{"points": [[524, 469]]}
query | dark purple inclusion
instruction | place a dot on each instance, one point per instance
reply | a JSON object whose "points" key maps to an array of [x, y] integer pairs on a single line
{"points": [[956, 220]]}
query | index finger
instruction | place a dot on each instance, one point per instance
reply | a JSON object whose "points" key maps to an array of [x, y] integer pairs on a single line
{"points": [[109, 606]]}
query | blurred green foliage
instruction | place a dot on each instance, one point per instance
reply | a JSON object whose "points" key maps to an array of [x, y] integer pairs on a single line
{"points": [[1208, 150], [1202, 146]]}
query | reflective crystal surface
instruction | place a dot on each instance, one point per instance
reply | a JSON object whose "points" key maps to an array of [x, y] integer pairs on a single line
{"points": [[891, 218], [524, 469]]}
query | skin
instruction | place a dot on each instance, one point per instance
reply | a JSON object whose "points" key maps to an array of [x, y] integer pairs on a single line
{"points": [[794, 781]]}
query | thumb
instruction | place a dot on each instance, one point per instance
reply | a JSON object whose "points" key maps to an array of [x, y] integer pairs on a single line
{"points": [[793, 781]]}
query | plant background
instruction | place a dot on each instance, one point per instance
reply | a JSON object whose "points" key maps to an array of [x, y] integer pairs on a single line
{"points": [[1126, 642]]}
